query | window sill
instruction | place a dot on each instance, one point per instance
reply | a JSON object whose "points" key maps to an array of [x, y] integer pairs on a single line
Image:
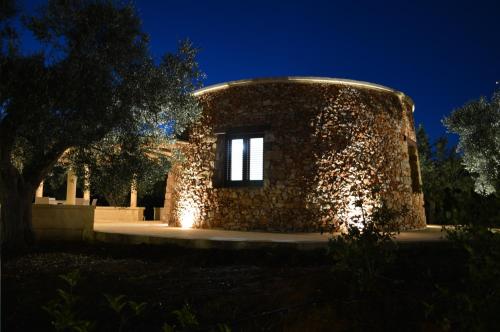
{"points": [[242, 184]]}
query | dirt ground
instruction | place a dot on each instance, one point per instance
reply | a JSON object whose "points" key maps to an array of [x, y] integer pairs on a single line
{"points": [[246, 290]]}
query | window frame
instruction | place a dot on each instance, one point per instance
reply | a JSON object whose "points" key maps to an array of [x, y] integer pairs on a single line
{"points": [[245, 182]]}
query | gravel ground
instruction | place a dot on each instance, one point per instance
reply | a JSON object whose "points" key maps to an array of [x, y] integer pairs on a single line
{"points": [[240, 289], [247, 290]]}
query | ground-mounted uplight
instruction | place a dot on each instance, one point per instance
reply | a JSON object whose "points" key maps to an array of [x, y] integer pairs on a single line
{"points": [[187, 216], [355, 214], [359, 211]]}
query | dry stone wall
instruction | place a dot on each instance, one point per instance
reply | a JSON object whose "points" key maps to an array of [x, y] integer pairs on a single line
{"points": [[326, 146]]}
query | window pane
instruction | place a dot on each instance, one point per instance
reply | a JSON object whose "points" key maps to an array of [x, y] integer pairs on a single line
{"points": [[236, 159], [256, 158]]}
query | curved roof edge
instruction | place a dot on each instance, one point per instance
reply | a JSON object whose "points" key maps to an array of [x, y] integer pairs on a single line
{"points": [[301, 79]]}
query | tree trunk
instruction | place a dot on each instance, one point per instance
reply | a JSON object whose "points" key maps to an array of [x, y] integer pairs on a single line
{"points": [[17, 186], [16, 200]]}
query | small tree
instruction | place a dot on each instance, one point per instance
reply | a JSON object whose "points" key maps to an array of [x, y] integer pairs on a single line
{"points": [[449, 188], [112, 165], [477, 123], [93, 88], [367, 249]]}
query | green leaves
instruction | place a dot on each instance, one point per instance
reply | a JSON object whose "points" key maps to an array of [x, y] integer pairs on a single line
{"points": [[119, 303], [186, 320], [66, 311], [71, 278], [478, 125], [137, 308], [94, 89], [116, 303], [470, 303], [167, 328], [185, 317], [137, 148], [366, 253], [449, 187], [63, 310]]}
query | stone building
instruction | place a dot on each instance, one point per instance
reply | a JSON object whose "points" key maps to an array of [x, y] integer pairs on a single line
{"points": [[296, 154]]}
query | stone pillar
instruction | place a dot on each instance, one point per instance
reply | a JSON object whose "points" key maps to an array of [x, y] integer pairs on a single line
{"points": [[168, 204], [86, 185], [71, 188], [39, 190], [133, 194], [86, 194]]}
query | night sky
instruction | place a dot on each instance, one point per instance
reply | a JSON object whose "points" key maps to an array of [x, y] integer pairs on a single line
{"points": [[440, 53]]}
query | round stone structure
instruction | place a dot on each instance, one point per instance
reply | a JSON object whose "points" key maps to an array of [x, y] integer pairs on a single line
{"points": [[333, 149]]}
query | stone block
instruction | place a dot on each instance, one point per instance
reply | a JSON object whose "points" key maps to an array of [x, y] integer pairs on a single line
{"points": [[63, 222], [121, 214]]}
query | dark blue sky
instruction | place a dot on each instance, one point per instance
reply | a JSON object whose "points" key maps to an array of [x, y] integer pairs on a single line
{"points": [[440, 53]]}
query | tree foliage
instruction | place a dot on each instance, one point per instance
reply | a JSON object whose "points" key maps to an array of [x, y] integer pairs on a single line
{"points": [[93, 93], [478, 125], [471, 303], [449, 188]]}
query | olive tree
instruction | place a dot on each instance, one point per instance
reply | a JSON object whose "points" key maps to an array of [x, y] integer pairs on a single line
{"points": [[477, 124], [93, 88]]}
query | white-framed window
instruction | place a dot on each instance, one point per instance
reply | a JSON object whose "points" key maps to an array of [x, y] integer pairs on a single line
{"points": [[245, 160]]}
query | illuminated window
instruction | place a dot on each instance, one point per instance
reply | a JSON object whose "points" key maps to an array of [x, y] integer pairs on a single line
{"points": [[236, 162], [245, 160], [239, 156], [256, 164]]}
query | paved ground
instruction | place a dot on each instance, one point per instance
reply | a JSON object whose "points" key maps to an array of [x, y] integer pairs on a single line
{"points": [[156, 233]]}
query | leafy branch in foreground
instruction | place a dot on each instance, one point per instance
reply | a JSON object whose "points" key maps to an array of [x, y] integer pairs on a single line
{"points": [[66, 309], [119, 305], [63, 310], [472, 302]]}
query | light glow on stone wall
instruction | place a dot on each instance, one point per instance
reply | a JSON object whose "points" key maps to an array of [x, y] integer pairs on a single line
{"points": [[358, 211], [355, 214], [329, 171], [187, 215]]}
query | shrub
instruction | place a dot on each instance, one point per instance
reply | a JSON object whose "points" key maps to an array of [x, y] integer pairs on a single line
{"points": [[472, 303], [367, 249], [65, 312], [63, 309]]}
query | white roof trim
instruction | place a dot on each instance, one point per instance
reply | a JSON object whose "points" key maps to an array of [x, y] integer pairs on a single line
{"points": [[296, 79]]}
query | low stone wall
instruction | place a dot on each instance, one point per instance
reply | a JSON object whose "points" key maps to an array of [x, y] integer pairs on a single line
{"points": [[63, 222], [122, 214], [160, 214]]}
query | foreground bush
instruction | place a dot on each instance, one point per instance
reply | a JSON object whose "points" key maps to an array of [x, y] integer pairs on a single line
{"points": [[66, 314], [472, 303]]}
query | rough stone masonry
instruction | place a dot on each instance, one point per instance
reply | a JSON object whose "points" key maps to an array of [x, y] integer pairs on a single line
{"points": [[333, 150]]}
